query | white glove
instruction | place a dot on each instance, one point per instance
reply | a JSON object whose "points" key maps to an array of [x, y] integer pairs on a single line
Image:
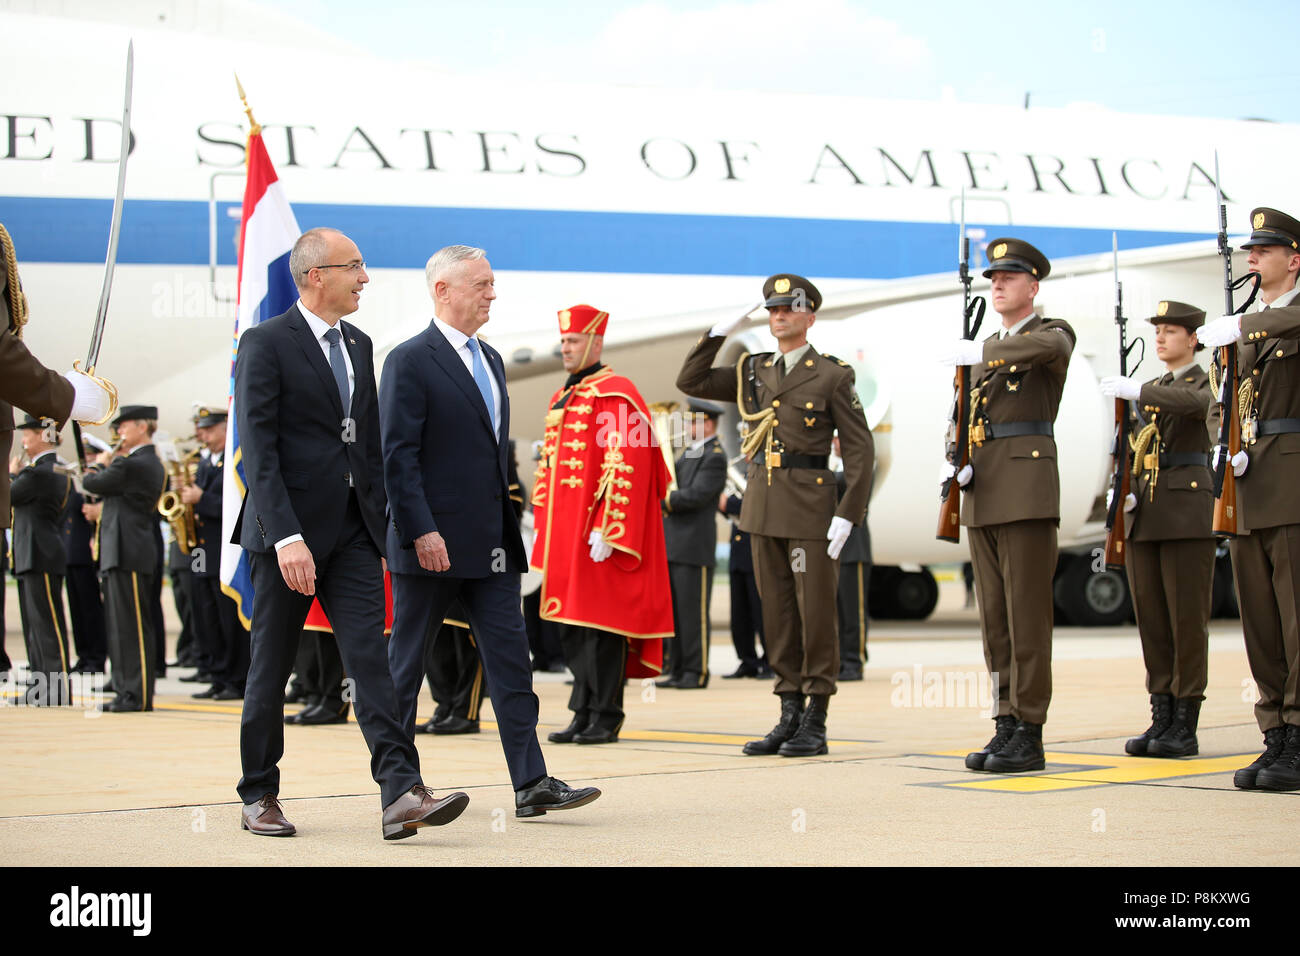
{"points": [[965, 475], [961, 352], [1224, 330], [1120, 386], [727, 326], [1239, 462], [91, 402], [600, 549], [947, 470], [1130, 500], [837, 535]]}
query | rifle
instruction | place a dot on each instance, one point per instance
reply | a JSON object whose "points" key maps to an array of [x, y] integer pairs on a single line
{"points": [[1225, 363], [1122, 477], [950, 493]]}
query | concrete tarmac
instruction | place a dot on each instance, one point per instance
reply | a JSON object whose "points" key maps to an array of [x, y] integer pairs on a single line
{"points": [[86, 788]]}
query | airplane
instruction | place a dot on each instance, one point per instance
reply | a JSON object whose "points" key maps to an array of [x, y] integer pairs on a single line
{"points": [[666, 208]]}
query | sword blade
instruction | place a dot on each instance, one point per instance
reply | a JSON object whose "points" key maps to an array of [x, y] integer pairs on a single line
{"points": [[115, 226]]}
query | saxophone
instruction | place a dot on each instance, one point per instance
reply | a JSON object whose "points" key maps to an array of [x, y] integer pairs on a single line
{"points": [[178, 514]]}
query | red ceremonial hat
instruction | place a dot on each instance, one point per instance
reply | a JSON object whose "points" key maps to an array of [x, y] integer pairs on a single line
{"points": [[583, 319]]}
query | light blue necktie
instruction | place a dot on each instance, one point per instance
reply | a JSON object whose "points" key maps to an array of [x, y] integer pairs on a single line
{"points": [[482, 381], [340, 369]]}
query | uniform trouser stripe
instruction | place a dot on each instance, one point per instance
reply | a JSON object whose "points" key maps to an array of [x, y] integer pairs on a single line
{"points": [[704, 625], [54, 620], [862, 616], [145, 702]]}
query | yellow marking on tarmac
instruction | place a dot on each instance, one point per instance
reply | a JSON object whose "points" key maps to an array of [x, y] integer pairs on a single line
{"points": [[1110, 770]]}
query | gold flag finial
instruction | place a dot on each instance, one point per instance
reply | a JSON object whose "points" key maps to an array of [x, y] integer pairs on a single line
{"points": [[254, 128]]}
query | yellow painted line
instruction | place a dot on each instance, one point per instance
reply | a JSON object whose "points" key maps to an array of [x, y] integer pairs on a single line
{"points": [[1024, 784], [1110, 770]]}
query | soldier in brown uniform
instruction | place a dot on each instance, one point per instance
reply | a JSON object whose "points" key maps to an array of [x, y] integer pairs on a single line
{"points": [[1170, 556], [1266, 562], [793, 400], [1012, 499]]}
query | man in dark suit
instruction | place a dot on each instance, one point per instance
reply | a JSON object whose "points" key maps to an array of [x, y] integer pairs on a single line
{"points": [[38, 494], [454, 532], [313, 523], [691, 538], [129, 481]]}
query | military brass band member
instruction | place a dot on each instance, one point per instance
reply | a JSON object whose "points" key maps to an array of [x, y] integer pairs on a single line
{"points": [[599, 534], [1266, 561], [691, 537], [1170, 556], [1012, 499], [793, 399], [39, 493], [130, 482]]}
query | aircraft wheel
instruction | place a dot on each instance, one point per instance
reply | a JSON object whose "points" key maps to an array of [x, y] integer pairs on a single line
{"points": [[1090, 598]]}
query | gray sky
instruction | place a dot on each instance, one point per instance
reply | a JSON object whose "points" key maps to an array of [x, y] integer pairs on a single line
{"points": [[1188, 58]]}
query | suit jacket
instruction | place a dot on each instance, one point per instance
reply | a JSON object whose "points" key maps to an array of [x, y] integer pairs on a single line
{"points": [[31, 386], [811, 402], [1269, 355], [690, 531], [128, 526], [445, 468], [39, 493], [301, 456], [1181, 505], [1020, 380]]}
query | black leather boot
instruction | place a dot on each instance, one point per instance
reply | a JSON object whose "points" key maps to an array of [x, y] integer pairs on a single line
{"points": [[791, 714], [1246, 777], [1023, 752], [576, 726], [1180, 739], [1162, 715], [1284, 774], [810, 740], [1004, 727]]}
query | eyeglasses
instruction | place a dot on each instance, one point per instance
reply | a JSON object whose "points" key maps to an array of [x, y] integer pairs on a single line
{"points": [[346, 266]]}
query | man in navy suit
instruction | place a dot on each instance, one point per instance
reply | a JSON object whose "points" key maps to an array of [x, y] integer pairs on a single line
{"points": [[454, 533], [313, 522]]}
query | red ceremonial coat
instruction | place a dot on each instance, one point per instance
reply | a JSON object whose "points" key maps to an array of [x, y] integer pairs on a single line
{"points": [[601, 469]]}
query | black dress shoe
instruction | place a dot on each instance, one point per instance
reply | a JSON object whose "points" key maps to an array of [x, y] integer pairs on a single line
{"points": [[229, 693], [205, 694], [456, 725], [850, 673], [565, 736], [672, 681], [551, 794], [595, 734], [427, 726], [198, 677], [320, 714], [744, 670], [689, 682], [764, 672]]}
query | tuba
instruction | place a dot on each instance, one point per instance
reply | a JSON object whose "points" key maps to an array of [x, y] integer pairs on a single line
{"points": [[178, 514], [661, 417]]}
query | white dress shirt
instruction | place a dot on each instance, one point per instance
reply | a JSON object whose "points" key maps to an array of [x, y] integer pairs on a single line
{"points": [[318, 328], [457, 340]]}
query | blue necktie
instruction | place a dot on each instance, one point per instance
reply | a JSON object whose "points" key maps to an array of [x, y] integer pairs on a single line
{"points": [[482, 381], [340, 369]]}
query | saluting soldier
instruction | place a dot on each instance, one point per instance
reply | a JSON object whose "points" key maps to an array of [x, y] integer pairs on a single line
{"points": [[1170, 556], [793, 400], [1011, 504], [1266, 562], [130, 482], [38, 494], [691, 537]]}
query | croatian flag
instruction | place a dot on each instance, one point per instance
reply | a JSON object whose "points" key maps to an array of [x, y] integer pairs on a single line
{"points": [[268, 231]]}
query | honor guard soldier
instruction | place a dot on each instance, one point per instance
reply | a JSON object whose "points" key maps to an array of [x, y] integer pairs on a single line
{"points": [[1170, 555], [1266, 562], [599, 535], [38, 494], [216, 616], [691, 537], [130, 484], [793, 400], [1012, 498]]}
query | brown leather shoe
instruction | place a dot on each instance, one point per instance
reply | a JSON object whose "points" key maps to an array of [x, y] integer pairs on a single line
{"points": [[417, 808], [265, 818]]}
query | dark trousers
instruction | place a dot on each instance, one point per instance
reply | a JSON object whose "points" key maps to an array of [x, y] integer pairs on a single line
{"points": [[188, 646], [692, 587], [598, 660], [155, 608], [350, 586], [492, 606], [220, 633], [86, 611], [746, 618], [543, 636], [319, 669], [40, 603], [453, 671], [1266, 567], [1172, 583], [132, 641], [803, 644], [855, 578], [1014, 564]]}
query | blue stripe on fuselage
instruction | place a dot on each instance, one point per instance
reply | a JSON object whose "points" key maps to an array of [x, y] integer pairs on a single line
{"points": [[175, 232]]}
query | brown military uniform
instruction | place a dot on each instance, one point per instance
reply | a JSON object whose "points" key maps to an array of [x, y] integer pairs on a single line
{"points": [[788, 507], [1266, 562], [1012, 507], [1170, 559]]}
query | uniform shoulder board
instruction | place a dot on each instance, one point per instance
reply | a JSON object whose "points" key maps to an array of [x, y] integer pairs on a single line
{"points": [[837, 361], [717, 450]]}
